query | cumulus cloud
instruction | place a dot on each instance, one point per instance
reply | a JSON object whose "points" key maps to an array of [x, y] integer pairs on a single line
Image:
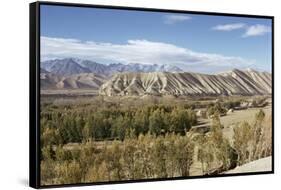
{"points": [[257, 30], [172, 19], [229, 27], [249, 30], [138, 51]]}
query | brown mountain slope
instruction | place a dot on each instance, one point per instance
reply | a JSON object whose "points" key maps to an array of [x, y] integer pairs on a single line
{"points": [[77, 81], [235, 82]]}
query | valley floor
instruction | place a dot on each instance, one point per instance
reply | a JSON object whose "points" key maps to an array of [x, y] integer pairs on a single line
{"points": [[237, 116], [72, 103]]}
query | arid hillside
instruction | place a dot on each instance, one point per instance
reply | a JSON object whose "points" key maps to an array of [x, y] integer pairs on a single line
{"points": [[52, 81], [235, 82]]}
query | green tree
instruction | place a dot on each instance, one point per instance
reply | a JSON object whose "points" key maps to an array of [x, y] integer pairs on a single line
{"points": [[156, 122], [101, 126], [119, 127], [88, 131], [141, 122], [180, 121]]}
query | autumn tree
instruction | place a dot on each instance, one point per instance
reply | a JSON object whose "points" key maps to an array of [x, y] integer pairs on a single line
{"points": [[129, 158], [159, 158], [68, 172], [184, 155], [221, 148], [264, 146], [243, 135], [171, 154], [112, 160], [258, 128], [204, 153]]}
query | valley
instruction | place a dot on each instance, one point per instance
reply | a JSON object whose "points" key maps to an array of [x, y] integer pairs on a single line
{"points": [[134, 80], [122, 122]]}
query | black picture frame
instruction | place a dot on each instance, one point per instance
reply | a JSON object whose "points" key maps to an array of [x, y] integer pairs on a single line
{"points": [[34, 90]]}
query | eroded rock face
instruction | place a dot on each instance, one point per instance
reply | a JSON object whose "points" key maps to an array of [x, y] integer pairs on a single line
{"points": [[235, 82]]}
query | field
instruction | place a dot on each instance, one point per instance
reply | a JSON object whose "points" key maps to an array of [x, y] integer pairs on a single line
{"points": [[89, 138]]}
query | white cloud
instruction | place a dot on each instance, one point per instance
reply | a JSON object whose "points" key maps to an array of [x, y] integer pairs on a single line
{"points": [[139, 51], [252, 30], [229, 27], [257, 30], [172, 19]]}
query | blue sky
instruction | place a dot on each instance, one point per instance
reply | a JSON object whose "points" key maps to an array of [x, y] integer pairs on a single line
{"points": [[197, 43]]}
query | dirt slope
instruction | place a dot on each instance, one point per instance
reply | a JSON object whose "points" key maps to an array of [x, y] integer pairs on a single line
{"points": [[235, 82]]}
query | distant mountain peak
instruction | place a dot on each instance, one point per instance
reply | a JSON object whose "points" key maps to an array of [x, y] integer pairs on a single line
{"points": [[69, 66], [251, 70]]}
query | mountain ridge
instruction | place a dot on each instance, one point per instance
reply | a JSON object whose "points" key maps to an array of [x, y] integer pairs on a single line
{"points": [[50, 81], [236, 82], [70, 66], [118, 79]]}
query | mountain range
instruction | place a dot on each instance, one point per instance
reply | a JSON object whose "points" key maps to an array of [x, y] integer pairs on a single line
{"points": [[70, 66], [140, 79]]}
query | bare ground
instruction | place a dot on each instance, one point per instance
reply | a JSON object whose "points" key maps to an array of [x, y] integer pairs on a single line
{"points": [[260, 165]]}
